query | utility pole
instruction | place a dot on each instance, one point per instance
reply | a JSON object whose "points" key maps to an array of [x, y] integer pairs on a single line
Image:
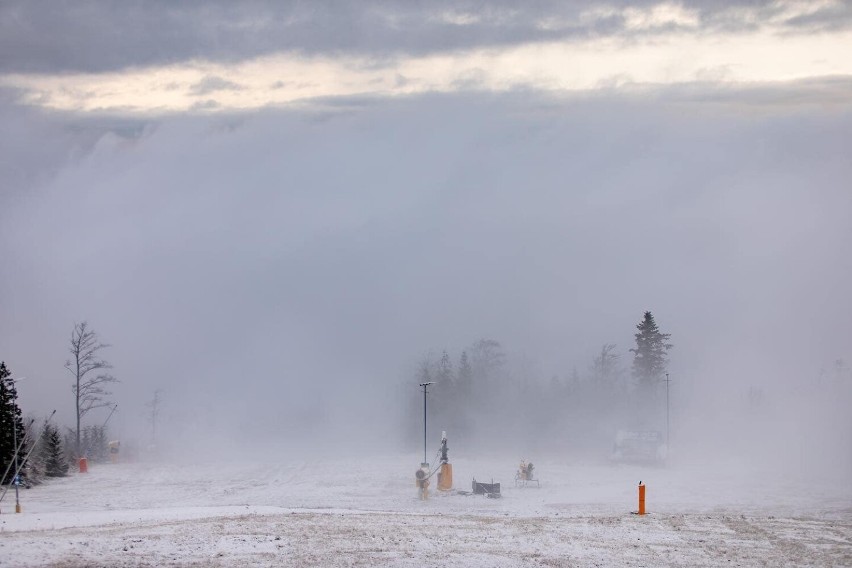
{"points": [[424, 385]]}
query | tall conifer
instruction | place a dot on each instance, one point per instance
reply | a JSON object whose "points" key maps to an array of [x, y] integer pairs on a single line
{"points": [[649, 356]]}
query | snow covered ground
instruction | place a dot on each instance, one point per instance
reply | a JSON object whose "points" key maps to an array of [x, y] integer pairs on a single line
{"points": [[361, 512]]}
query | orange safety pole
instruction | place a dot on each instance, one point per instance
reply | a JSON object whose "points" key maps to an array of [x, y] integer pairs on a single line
{"points": [[641, 499]]}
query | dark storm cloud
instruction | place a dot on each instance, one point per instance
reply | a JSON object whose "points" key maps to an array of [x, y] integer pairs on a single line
{"points": [[50, 37]]}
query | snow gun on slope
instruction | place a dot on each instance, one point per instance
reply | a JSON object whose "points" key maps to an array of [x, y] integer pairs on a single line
{"points": [[444, 471], [525, 477]]}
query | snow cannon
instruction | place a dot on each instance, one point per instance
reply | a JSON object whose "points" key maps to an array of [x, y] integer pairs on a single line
{"points": [[525, 477], [114, 447], [445, 475], [421, 477]]}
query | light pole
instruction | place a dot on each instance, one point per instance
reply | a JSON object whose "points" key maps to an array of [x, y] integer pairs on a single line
{"points": [[424, 385], [15, 442]]}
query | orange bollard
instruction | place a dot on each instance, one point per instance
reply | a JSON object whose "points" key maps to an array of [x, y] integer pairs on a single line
{"points": [[641, 499], [83, 465]]}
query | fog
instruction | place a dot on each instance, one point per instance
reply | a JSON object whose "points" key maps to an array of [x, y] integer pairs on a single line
{"points": [[284, 276]]}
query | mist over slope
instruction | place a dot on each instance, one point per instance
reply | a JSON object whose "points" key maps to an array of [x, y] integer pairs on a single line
{"points": [[282, 275]]}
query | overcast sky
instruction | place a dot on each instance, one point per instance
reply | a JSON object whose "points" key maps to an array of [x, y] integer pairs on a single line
{"points": [[292, 203]]}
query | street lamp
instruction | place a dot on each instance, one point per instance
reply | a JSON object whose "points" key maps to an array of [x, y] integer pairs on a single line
{"points": [[424, 385], [15, 446]]}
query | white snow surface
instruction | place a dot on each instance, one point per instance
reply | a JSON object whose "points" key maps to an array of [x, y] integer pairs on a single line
{"points": [[365, 512]]}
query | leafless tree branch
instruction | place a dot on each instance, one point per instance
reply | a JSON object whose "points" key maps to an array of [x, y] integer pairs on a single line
{"points": [[90, 390]]}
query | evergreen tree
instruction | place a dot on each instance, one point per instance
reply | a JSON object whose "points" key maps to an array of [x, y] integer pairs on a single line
{"points": [[465, 376], [94, 443], [574, 380], [85, 443], [445, 371], [488, 360], [69, 442], [52, 454], [11, 423], [649, 356], [99, 450]]}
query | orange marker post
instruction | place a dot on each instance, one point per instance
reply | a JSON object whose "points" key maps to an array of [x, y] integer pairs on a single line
{"points": [[83, 465], [641, 499]]}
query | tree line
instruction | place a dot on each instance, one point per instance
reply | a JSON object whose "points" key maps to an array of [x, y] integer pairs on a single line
{"points": [[41, 449], [481, 398]]}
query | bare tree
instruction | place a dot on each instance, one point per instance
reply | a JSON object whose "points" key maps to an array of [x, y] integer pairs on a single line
{"points": [[605, 370], [89, 371]]}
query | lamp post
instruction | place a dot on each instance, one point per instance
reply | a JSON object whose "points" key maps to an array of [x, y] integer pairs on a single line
{"points": [[424, 385], [15, 442]]}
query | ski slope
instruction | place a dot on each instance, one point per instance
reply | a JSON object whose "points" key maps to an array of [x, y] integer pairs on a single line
{"points": [[364, 512]]}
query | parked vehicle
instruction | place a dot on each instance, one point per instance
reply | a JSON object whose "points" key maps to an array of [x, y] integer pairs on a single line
{"points": [[645, 446]]}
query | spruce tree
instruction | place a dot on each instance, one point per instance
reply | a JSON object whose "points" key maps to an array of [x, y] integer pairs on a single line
{"points": [[11, 423], [69, 443], [94, 443], [52, 453], [465, 376], [85, 443], [99, 450], [649, 356], [445, 371]]}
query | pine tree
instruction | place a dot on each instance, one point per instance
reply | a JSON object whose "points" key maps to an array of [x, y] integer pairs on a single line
{"points": [[52, 453], [488, 359], [465, 376], [94, 443], [11, 423], [649, 356], [574, 380], [445, 371], [99, 450], [85, 443], [69, 442]]}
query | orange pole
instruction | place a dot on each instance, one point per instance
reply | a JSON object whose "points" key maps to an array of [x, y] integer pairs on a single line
{"points": [[641, 499]]}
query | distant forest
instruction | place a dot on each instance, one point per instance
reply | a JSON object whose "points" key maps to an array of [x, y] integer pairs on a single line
{"points": [[480, 399]]}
